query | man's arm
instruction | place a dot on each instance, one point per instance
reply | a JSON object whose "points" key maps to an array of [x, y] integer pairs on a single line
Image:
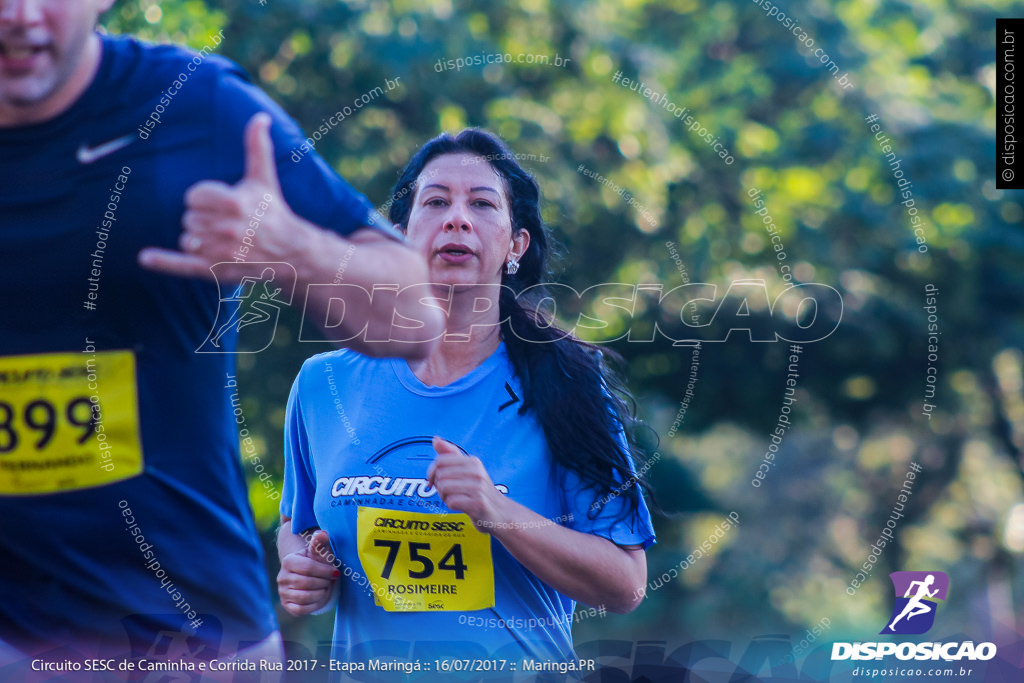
{"points": [[372, 259], [215, 222]]}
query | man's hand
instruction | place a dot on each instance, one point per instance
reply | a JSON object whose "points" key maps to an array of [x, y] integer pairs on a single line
{"points": [[251, 220], [464, 485], [220, 219], [306, 580]]}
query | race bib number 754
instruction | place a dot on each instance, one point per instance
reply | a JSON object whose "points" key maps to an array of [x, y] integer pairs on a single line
{"points": [[419, 561]]}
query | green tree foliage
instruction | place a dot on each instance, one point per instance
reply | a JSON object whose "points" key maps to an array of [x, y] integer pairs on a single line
{"points": [[926, 69]]}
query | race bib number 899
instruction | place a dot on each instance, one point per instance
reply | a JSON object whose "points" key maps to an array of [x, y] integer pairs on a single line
{"points": [[68, 421], [419, 562]]}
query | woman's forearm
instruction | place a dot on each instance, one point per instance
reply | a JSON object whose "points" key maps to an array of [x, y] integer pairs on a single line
{"points": [[585, 567]]}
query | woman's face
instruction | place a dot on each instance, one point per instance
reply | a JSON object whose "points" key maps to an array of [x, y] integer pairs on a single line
{"points": [[461, 221]]}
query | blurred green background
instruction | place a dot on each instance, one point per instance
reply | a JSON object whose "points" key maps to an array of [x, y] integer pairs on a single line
{"points": [[925, 67]]}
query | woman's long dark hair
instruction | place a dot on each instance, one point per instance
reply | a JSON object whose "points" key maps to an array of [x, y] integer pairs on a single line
{"points": [[581, 405]]}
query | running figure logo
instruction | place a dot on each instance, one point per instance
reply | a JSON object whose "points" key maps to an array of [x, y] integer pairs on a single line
{"points": [[914, 612], [255, 302]]}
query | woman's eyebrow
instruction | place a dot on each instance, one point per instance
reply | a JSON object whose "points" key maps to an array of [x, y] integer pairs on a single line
{"points": [[472, 189]]}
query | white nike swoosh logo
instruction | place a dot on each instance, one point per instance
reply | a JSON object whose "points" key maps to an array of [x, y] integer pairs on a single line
{"points": [[87, 155]]}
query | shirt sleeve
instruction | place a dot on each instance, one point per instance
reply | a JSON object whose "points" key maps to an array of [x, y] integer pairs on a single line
{"points": [[311, 187], [608, 515], [299, 488]]}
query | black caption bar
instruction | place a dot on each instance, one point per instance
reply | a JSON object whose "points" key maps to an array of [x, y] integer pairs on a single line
{"points": [[1009, 163]]}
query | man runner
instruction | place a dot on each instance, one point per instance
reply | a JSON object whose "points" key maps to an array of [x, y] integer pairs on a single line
{"points": [[124, 518]]}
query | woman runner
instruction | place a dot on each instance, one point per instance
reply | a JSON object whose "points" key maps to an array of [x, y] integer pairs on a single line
{"points": [[470, 499]]}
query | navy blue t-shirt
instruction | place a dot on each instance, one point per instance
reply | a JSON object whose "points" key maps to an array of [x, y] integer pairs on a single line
{"points": [[81, 194]]}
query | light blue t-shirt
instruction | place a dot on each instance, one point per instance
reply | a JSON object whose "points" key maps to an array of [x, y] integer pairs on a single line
{"points": [[358, 433]]}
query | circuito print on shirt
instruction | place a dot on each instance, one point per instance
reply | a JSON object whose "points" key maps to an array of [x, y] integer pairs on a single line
{"points": [[396, 490]]}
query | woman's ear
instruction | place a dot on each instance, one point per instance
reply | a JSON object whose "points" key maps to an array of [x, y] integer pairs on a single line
{"points": [[520, 243]]}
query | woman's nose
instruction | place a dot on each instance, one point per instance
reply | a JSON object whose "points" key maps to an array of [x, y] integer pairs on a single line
{"points": [[457, 221]]}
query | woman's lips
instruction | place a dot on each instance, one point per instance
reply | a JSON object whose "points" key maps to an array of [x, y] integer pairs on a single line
{"points": [[455, 253]]}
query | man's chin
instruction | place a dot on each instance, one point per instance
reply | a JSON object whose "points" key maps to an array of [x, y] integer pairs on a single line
{"points": [[22, 95]]}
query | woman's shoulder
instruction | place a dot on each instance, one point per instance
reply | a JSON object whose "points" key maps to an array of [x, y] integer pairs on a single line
{"points": [[340, 360]]}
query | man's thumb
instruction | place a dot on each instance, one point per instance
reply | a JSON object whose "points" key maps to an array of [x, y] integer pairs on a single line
{"points": [[320, 547], [259, 151]]}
